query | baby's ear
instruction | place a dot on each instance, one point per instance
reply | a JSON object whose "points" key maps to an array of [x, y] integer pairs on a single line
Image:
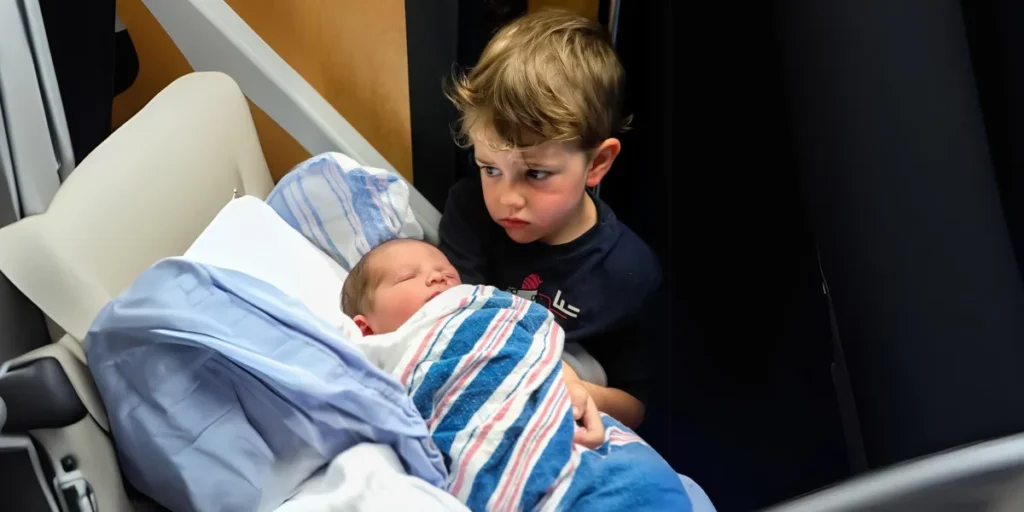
{"points": [[363, 325]]}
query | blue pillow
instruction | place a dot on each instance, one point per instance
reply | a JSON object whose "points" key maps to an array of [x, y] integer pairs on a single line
{"points": [[343, 208]]}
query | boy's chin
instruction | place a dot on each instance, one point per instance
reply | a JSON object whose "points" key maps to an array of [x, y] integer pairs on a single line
{"points": [[521, 236]]}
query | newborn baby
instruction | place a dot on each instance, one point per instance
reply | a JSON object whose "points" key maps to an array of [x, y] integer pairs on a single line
{"points": [[395, 279]]}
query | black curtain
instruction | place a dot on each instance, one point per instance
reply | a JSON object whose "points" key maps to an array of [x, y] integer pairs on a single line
{"points": [[995, 34], [747, 407], [444, 35], [82, 47], [899, 183]]}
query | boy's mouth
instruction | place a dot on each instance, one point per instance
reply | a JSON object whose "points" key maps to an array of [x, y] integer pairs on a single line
{"points": [[511, 223]]}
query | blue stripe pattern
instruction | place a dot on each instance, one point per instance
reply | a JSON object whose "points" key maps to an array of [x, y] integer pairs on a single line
{"points": [[552, 460], [344, 215], [465, 339], [487, 480], [516, 388], [371, 206], [343, 208], [623, 474], [494, 372], [328, 247]]}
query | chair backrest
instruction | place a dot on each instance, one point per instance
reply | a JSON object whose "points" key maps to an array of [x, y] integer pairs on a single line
{"points": [[144, 194]]}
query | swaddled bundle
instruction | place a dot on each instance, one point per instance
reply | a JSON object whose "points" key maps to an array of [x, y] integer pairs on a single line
{"points": [[484, 370], [225, 394]]}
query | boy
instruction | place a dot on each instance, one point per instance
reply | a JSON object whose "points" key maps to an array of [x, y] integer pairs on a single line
{"points": [[395, 279], [540, 110]]}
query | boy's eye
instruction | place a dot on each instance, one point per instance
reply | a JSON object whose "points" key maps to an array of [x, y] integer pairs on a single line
{"points": [[490, 171], [537, 175]]}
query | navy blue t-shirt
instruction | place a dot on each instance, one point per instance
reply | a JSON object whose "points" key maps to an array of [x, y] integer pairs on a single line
{"points": [[598, 286]]}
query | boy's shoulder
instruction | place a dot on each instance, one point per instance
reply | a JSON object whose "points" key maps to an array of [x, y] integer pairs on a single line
{"points": [[609, 263], [629, 263], [601, 285]]}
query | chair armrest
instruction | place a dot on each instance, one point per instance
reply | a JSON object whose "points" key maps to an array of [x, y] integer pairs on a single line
{"points": [[68, 353], [38, 394]]}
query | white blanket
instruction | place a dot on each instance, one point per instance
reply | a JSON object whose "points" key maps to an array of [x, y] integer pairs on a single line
{"points": [[370, 478]]}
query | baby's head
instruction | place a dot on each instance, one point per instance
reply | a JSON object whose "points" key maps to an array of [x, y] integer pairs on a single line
{"points": [[393, 281]]}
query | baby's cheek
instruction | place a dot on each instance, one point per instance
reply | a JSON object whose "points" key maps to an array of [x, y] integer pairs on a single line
{"points": [[406, 308]]}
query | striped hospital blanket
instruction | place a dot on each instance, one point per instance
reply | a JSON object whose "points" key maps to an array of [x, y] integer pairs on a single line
{"points": [[343, 208], [483, 368]]}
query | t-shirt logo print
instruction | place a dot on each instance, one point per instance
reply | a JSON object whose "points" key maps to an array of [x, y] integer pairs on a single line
{"points": [[530, 290]]}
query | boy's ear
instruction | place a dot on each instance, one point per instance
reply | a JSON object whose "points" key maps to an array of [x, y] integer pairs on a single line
{"points": [[602, 161], [363, 325]]}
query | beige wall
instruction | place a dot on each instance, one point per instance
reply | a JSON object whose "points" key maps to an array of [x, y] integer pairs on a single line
{"points": [[353, 52]]}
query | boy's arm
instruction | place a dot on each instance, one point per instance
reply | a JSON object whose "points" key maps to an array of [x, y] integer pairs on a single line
{"points": [[584, 410], [614, 402], [617, 404], [625, 354], [462, 231]]}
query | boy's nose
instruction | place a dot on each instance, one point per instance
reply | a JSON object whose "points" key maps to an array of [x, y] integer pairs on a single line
{"points": [[512, 199]]}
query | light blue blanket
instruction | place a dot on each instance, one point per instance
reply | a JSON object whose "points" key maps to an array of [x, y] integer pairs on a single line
{"points": [[224, 394]]}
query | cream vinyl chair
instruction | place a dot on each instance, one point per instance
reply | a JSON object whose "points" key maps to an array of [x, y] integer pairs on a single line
{"points": [[144, 194]]}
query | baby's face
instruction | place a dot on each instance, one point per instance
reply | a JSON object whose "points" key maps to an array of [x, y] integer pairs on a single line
{"points": [[408, 274]]}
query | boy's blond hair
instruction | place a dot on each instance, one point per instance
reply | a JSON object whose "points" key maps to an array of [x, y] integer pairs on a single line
{"points": [[550, 75]]}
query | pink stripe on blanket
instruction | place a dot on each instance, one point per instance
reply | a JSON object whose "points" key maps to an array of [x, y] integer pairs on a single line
{"points": [[620, 437], [428, 339], [535, 441], [472, 368], [531, 378]]}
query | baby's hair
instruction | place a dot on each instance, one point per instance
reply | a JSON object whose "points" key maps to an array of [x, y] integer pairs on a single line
{"points": [[550, 75], [357, 292]]}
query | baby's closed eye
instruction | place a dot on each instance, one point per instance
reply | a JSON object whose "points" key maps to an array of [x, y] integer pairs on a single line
{"points": [[405, 277]]}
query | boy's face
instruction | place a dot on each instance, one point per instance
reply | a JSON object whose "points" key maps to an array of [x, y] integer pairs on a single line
{"points": [[408, 275], [537, 193]]}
